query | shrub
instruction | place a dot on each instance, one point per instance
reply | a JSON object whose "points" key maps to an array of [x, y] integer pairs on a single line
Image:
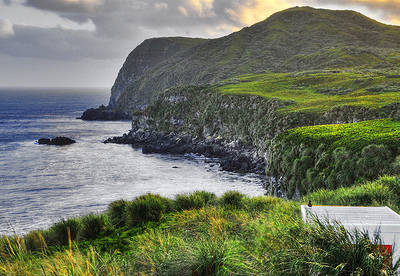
{"points": [[64, 231], [261, 203], [116, 213], [374, 159], [144, 209], [232, 199], [196, 200], [214, 256], [93, 225], [160, 253], [35, 241]]}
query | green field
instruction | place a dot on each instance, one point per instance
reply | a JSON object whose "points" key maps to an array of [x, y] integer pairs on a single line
{"points": [[353, 136], [319, 91]]}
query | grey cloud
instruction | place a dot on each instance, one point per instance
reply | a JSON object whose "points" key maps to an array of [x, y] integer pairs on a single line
{"points": [[60, 44], [122, 18], [81, 6], [120, 26], [6, 28], [388, 9]]}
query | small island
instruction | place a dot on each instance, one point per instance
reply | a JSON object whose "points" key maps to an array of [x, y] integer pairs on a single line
{"points": [[58, 141]]}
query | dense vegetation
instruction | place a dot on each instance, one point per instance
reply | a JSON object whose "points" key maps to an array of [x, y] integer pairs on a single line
{"points": [[201, 234], [334, 156], [266, 111], [320, 91]]}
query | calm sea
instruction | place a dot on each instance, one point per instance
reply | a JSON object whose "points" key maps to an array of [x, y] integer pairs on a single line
{"points": [[41, 184]]}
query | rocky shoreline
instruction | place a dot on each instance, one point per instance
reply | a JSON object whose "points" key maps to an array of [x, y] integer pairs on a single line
{"points": [[232, 155], [104, 114]]}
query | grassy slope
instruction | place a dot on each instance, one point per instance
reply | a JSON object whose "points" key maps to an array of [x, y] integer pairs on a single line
{"points": [[314, 91], [230, 235], [353, 136]]}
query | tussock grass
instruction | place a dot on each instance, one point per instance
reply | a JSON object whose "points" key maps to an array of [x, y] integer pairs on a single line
{"points": [[370, 88], [260, 236]]}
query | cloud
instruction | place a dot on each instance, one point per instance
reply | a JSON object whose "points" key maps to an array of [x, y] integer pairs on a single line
{"points": [[120, 25], [387, 10], [252, 11], [59, 44], [6, 28], [115, 18], [72, 6]]}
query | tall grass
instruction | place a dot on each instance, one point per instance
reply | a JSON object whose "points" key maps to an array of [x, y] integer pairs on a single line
{"points": [[196, 200], [144, 209], [265, 236], [383, 191], [70, 262], [93, 225]]}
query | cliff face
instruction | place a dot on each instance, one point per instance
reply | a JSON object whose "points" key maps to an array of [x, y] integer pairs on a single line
{"points": [[143, 58], [292, 40]]}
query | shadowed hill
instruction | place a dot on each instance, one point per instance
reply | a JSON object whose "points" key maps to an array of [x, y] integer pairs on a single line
{"points": [[296, 39]]}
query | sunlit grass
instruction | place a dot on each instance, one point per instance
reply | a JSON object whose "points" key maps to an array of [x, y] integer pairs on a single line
{"points": [[353, 136], [302, 88], [260, 236]]}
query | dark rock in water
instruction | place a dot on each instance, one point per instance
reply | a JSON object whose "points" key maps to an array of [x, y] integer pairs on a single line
{"points": [[231, 158], [103, 114], [59, 141]]}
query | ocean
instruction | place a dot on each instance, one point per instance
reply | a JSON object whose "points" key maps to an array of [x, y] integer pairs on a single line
{"points": [[41, 184]]}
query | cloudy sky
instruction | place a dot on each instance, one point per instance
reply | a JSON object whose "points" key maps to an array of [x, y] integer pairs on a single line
{"points": [[80, 43]]}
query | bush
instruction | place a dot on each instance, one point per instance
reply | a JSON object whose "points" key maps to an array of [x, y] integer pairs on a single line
{"points": [[144, 209], [196, 200], [116, 213], [161, 253], [61, 233], [35, 241], [232, 199], [93, 225], [374, 159], [261, 203], [214, 256]]}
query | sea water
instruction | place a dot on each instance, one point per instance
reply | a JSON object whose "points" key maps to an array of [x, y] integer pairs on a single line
{"points": [[41, 184]]}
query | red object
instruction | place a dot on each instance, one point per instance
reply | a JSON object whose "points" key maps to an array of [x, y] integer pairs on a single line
{"points": [[386, 249]]}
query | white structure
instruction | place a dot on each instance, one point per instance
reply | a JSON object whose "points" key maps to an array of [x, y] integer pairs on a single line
{"points": [[382, 220]]}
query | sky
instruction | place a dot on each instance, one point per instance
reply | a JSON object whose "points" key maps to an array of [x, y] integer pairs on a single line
{"points": [[84, 43]]}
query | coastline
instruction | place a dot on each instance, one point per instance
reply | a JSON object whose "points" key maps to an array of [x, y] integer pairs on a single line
{"points": [[232, 156]]}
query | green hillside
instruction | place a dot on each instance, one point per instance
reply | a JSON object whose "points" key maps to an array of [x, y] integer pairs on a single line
{"points": [[319, 91], [294, 40]]}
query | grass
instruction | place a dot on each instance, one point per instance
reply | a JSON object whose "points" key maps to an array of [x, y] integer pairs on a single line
{"points": [[228, 235], [369, 88], [354, 136]]}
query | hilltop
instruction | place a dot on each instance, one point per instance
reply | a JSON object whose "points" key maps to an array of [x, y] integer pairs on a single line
{"points": [[293, 40]]}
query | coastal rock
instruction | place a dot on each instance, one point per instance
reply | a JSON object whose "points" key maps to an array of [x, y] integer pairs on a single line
{"points": [[236, 159], [59, 141], [103, 114]]}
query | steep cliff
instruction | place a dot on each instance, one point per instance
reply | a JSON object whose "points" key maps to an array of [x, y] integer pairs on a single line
{"points": [[142, 59], [292, 40]]}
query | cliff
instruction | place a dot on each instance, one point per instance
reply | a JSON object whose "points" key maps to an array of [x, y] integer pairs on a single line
{"points": [[292, 40]]}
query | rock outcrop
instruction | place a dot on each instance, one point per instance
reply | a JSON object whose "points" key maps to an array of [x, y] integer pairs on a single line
{"points": [[232, 156], [58, 141], [103, 114]]}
